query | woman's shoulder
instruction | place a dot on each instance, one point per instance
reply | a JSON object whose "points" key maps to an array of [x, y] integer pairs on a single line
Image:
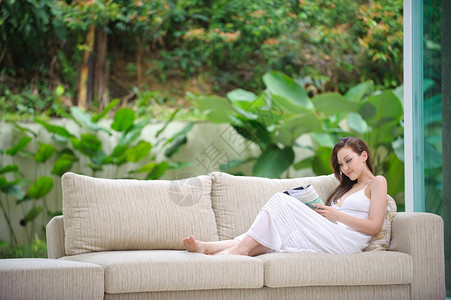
{"points": [[377, 180], [378, 184]]}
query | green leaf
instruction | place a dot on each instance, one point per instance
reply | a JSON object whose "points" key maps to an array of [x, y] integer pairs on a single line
{"points": [[399, 92], [398, 147], [63, 164], [85, 119], [166, 124], [9, 169], [325, 139], [321, 161], [294, 127], [59, 91], [180, 164], [303, 164], [233, 163], [25, 129], [218, 109], [359, 91], [22, 143], [158, 171], [44, 153], [32, 214], [134, 132], [145, 169], [140, 151], [241, 97], [395, 175], [175, 146], [178, 140], [357, 123], [254, 132], [273, 162], [286, 106], [123, 119], [41, 187], [384, 108], [333, 103], [61, 131], [104, 112], [88, 144], [284, 87], [181, 133], [12, 188]]}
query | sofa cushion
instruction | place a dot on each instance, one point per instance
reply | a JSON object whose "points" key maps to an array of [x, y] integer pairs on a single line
{"points": [[41, 278], [313, 269], [171, 270], [237, 200], [126, 214], [381, 240]]}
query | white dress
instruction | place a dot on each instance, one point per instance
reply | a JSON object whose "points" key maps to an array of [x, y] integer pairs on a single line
{"points": [[285, 224]]}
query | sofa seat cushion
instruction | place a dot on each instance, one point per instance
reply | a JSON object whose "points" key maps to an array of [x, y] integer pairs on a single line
{"points": [[321, 269], [128, 214], [41, 278], [172, 270], [236, 200]]}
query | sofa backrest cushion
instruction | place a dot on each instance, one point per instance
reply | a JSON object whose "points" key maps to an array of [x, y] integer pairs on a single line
{"points": [[128, 214], [381, 240], [237, 200]]}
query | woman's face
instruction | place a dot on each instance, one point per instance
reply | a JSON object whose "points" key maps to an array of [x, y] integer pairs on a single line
{"points": [[351, 164]]}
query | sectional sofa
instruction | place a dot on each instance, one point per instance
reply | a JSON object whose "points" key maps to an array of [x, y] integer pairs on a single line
{"points": [[133, 229]]}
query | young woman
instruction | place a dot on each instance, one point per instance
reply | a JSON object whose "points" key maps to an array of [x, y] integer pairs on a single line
{"points": [[352, 214]]}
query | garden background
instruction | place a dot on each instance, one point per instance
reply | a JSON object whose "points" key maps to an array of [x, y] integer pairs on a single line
{"points": [[172, 89]]}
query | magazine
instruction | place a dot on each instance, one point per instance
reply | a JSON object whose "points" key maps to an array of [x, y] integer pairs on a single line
{"points": [[306, 194]]}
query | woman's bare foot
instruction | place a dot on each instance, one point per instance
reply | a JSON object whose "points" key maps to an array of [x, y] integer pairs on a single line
{"points": [[193, 245]]}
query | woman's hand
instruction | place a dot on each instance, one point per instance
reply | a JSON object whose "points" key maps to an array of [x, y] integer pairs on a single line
{"points": [[328, 212]]}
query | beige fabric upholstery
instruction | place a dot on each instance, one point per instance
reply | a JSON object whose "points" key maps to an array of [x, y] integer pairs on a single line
{"points": [[311, 269], [32, 278], [119, 214], [236, 200], [372, 292], [158, 270], [381, 240], [420, 235], [55, 237], [224, 294]]}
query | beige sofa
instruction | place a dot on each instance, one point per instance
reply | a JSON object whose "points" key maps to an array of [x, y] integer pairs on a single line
{"points": [[134, 230]]}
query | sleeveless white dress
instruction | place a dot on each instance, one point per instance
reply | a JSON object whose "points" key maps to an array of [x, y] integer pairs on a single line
{"points": [[285, 224]]}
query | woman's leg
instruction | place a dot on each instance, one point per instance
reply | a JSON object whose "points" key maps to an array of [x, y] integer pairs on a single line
{"points": [[193, 245], [247, 246]]}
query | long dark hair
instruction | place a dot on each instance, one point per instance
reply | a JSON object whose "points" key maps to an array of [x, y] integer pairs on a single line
{"points": [[358, 146]]}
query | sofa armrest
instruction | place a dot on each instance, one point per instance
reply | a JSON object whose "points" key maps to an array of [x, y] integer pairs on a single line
{"points": [[421, 236], [55, 238]]}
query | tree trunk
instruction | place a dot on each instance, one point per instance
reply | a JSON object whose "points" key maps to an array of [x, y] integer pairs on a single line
{"points": [[446, 135], [100, 69], [85, 85]]}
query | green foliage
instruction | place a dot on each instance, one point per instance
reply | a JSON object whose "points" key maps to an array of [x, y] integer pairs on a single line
{"points": [[69, 148], [36, 249], [80, 15], [24, 29], [277, 117], [334, 45]]}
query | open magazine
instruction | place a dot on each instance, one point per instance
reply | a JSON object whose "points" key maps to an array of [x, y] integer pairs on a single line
{"points": [[306, 194]]}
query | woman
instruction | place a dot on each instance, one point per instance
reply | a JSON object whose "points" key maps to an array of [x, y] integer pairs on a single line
{"points": [[352, 214]]}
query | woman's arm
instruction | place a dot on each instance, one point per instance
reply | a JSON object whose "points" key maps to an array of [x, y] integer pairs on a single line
{"points": [[372, 225]]}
